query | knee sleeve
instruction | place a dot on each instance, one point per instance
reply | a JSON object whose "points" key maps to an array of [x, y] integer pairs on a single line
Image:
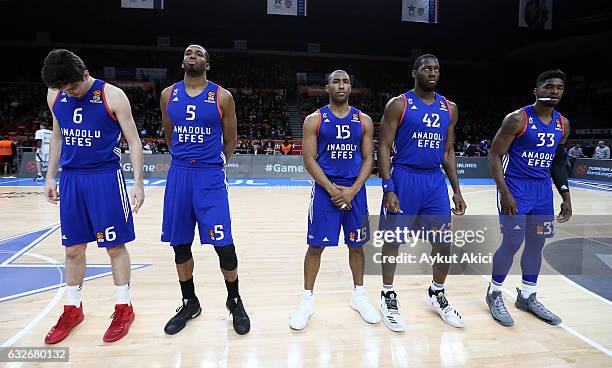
{"points": [[531, 260], [503, 257], [227, 257], [182, 253]]}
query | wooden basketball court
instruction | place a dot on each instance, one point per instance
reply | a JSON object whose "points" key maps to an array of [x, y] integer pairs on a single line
{"points": [[269, 225]]}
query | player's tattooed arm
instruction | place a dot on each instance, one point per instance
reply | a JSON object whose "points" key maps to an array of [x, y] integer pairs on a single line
{"points": [[229, 121], [309, 153], [119, 105], [513, 124], [559, 175], [55, 149], [450, 162], [388, 128], [163, 105]]}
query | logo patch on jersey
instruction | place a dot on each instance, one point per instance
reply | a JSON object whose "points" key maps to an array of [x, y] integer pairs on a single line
{"points": [[175, 92], [540, 230], [558, 124], [175, 99], [443, 106], [533, 126], [96, 97], [212, 234], [327, 121], [355, 118], [211, 97], [352, 236], [100, 237], [413, 107], [410, 101], [64, 100]]}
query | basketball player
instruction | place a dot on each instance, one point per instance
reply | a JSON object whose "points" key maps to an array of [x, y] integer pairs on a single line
{"points": [[419, 127], [527, 150], [201, 131], [89, 116], [338, 153], [43, 137]]}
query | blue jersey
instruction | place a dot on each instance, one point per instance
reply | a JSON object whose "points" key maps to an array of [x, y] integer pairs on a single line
{"points": [[90, 131], [339, 143], [421, 135], [197, 128], [531, 153]]}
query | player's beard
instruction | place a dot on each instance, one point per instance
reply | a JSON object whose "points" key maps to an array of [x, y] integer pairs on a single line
{"points": [[425, 86], [195, 70]]}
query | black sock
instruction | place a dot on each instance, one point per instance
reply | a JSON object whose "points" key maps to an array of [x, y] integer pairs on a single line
{"points": [[432, 293], [187, 289], [232, 289]]}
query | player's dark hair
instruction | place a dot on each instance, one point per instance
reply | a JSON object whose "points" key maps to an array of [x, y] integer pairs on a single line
{"points": [[419, 60], [549, 74], [62, 67]]}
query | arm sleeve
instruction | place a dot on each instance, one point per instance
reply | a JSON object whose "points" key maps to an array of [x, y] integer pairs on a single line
{"points": [[558, 171]]}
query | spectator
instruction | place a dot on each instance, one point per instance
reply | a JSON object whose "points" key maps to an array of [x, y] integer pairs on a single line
{"points": [[269, 147], [470, 150], [576, 151], [7, 153], [602, 152], [286, 147]]}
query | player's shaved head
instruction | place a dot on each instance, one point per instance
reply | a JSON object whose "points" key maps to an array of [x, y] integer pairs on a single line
{"points": [[201, 48], [335, 73]]}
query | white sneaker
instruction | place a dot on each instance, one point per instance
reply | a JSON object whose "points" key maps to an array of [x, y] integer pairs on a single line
{"points": [[389, 308], [440, 305], [360, 303], [300, 317]]}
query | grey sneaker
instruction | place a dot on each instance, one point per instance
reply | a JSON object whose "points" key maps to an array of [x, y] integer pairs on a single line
{"points": [[498, 309], [533, 306]]}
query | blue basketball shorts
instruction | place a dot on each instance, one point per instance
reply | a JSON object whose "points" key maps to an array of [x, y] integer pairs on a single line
{"points": [[424, 201], [325, 219], [535, 207], [94, 206], [196, 195]]}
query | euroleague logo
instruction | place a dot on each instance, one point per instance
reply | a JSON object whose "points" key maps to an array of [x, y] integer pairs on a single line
{"points": [[581, 170]]}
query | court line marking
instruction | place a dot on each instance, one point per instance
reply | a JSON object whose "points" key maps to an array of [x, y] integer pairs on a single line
{"points": [[28, 233], [570, 330], [36, 320], [32, 244]]}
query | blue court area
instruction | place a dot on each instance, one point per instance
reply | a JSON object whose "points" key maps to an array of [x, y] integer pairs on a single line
{"points": [[40, 273]]}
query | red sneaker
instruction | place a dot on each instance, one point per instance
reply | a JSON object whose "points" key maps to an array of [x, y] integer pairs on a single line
{"points": [[71, 317], [120, 326]]}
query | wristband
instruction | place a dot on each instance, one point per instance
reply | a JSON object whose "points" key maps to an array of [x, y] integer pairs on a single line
{"points": [[388, 186]]}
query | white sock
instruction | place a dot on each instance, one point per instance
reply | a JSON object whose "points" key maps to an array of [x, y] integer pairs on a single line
{"points": [[73, 295], [435, 286], [359, 289], [527, 290], [123, 293], [495, 287], [386, 288], [308, 293]]}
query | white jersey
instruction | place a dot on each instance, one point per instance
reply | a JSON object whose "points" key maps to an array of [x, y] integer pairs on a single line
{"points": [[45, 136]]}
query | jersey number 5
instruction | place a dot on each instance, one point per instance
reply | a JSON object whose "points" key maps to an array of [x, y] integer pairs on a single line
{"points": [[435, 123], [191, 112]]}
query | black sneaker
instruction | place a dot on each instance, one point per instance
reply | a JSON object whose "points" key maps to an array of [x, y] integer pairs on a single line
{"points": [[189, 310], [240, 319]]}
